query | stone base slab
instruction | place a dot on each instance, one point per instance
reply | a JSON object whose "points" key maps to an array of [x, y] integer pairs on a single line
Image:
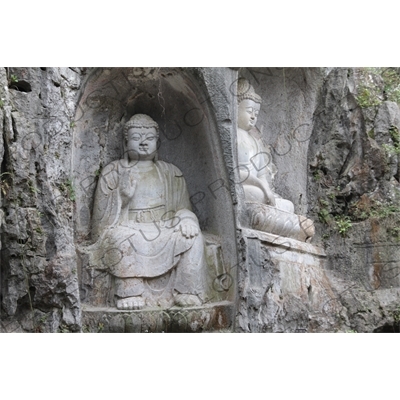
{"points": [[283, 286], [206, 318]]}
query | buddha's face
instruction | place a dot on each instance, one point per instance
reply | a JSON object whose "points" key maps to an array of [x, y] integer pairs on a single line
{"points": [[247, 114], [142, 143]]}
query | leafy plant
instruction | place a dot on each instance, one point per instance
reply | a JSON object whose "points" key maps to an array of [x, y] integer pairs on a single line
{"points": [[395, 232], [69, 187], [366, 98], [343, 224], [317, 175], [377, 85], [63, 329], [395, 135], [380, 210], [324, 215], [71, 190], [391, 79]]}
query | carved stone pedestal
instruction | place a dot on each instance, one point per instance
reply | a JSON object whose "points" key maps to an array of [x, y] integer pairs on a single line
{"points": [[283, 286], [207, 318]]}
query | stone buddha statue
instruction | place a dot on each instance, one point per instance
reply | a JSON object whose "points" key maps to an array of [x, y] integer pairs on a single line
{"points": [[266, 210], [145, 234]]}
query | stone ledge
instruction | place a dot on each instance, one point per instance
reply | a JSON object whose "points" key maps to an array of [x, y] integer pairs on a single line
{"points": [[207, 318], [284, 243]]}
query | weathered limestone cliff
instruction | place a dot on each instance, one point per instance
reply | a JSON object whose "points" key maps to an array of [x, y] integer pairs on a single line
{"points": [[354, 195], [39, 285], [334, 139]]}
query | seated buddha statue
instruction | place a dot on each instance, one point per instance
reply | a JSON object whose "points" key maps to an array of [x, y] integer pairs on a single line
{"points": [[145, 234], [267, 211]]}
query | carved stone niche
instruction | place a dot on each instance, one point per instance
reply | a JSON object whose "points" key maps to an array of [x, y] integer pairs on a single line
{"points": [[267, 211], [154, 221], [283, 285]]}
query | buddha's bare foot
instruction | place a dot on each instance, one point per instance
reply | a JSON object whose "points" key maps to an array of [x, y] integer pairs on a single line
{"points": [[165, 303], [307, 227], [187, 300], [130, 303]]}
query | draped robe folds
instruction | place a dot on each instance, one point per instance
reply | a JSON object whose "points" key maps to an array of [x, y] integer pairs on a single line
{"points": [[255, 158], [132, 249]]}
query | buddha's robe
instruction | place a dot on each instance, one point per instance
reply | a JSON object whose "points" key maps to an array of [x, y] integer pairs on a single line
{"points": [[146, 242]]}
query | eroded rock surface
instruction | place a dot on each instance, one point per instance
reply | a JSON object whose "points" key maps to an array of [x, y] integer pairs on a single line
{"points": [[39, 285]]}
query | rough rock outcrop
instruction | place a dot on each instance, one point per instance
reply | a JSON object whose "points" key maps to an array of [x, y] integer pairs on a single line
{"points": [[354, 196], [39, 283]]}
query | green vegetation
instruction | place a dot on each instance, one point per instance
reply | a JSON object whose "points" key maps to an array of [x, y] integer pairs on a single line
{"points": [[63, 329], [317, 175], [396, 315], [98, 171], [32, 187], [393, 149], [69, 187], [340, 223], [324, 215], [366, 208], [367, 98], [340, 217], [378, 84], [71, 190], [380, 210], [395, 232], [343, 224], [12, 79]]}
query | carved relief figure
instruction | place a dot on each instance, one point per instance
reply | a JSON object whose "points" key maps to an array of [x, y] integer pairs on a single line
{"points": [[146, 235], [267, 210]]}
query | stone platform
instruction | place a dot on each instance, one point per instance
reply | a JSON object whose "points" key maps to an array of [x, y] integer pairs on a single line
{"points": [[283, 286], [212, 317]]}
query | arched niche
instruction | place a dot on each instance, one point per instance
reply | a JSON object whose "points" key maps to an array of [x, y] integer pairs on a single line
{"points": [[177, 99]]}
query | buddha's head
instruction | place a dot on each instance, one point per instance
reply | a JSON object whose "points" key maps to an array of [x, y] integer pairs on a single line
{"points": [[141, 135], [249, 103]]}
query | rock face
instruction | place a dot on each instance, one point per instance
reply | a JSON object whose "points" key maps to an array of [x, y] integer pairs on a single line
{"points": [[336, 159], [39, 285], [354, 194]]}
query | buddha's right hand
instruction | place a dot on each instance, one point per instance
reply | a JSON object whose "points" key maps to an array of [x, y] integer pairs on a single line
{"points": [[127, 184], [269, 196]]}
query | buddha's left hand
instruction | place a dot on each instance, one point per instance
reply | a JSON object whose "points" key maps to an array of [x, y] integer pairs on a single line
{"points": [[188, 228]]}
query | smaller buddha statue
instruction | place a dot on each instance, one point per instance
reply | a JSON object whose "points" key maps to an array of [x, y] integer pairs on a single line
{"points": [[267, 211]]}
